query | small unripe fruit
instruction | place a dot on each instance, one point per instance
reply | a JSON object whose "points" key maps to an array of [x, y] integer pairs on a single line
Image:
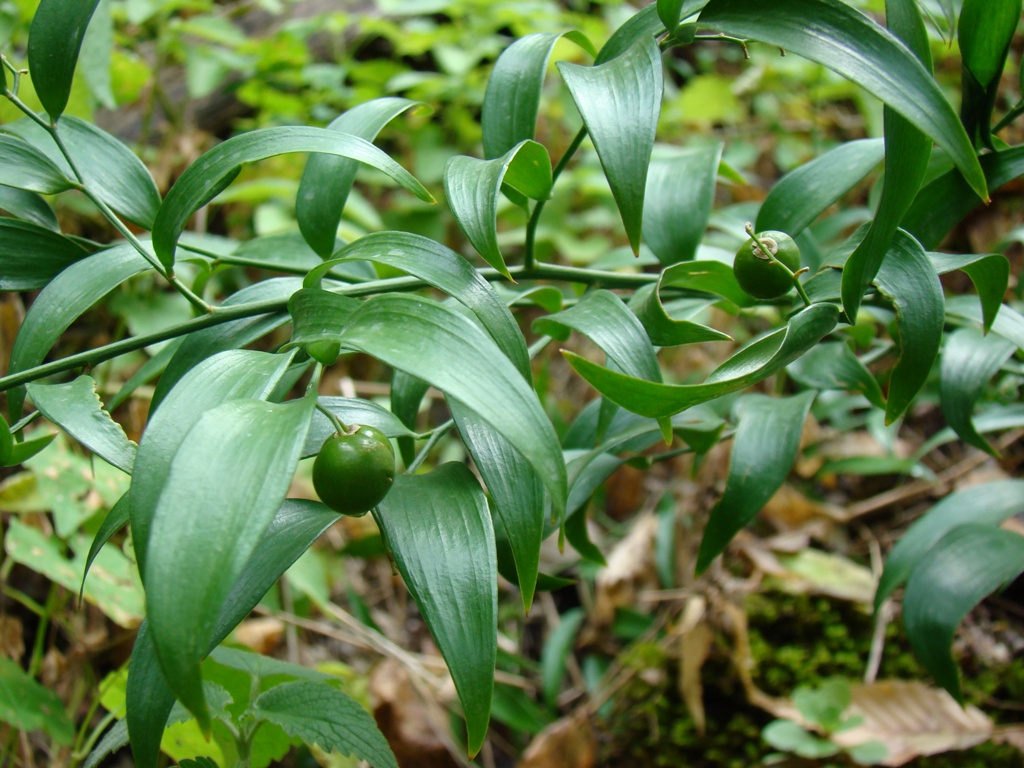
{"points": [[354, 470], [759, 275]]}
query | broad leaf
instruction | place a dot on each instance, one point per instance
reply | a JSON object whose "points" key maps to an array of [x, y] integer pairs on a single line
{"points": [[76, 408], [748, 366], [984, 32], [763, 451], [54, 40], [638, 26], [116, 519], [512, 98], [665, 330], [1008, 323], [31, 256], [25, 167], [295, 527], [990, 273], [967, 564], [350, 411], [211, 173], [835, 366], [28, 706], [28, 206], [557, 648], [799, 197], [439, 531], [243, 453], [988, 504], [327, 179], [473, 187], [969, 360], [708, 276], [908, 279], [677, 202], [441, 346], [235, 374], [620, 102], [851, 44], [318, 317], [319, 714]]}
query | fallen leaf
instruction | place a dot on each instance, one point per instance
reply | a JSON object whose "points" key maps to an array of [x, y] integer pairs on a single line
{"points": [[566, 743], [630, 568]]}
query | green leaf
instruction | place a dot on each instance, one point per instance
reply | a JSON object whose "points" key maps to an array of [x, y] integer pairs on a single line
{"points": [[908, 279], [351, 411], [95, 56], [557, 649], [906, 160], [512, 98], [318, 317], [640, 25], [473, 187], [799, 197], [985, 31], [22, 452], [6, 442], [109, 170], [682, 182], [663, 329], [54, 40], [327, 179], [31, 256], [243, 454], [748, 366], [322, 715], [851, 44], [200, 345], [967, 564], [989, 272], [116, 519], [988, 504], [76, 408], [1008, 323], [28, 706], [835, 366], [763, 451], [28, 206], [446, 349], [969, 360], [25, 167], [516, 494], [209, 174], [630, 84], [708, 276], [943, 202], [297, 524], [235, 374], [447, 271], [63, 301], [439, 531]]}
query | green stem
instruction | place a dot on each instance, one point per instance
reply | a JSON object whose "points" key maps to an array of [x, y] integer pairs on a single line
{"points": [[339, 426], [434, 439], [530, 257], [771, 257], [1015, 111]]}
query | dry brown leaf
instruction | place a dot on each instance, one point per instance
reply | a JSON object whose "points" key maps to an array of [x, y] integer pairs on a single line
{"points": [[630, 568], [12, 644], [695, 642], [262, 635], [913, 720], [566, 743], [789, 510]]}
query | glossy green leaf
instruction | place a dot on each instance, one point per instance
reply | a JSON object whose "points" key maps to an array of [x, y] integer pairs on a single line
{"points": [[677, 202], [63, 301], [638, 26], [515, 490], [966, 565], [54, 40], [851, 44], [116, 519], [630, 84], [512, 98], [407, 393], [984, 32], [750, 365], [988, 504], [906, 160], [555, 654], [322, 715], [75, 407], [1009, 323], [439, 531], [606, 320], [207, 176], [95, 56], [473, 187], [709, 276], [110, 171], [799, 197], [22, 452], [327, 179], [6, 442], [441, 346], [234, 374], [31, 256], [763, 451], [990, 273], [297, 524], [318, 317], [447, 271], [943, 202], [28, 206], [350, 410], [230, 335], [29, 706], [835, 366], [243, 453], [25, 167], [663, 329], [908, 279], [969, 360]]}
